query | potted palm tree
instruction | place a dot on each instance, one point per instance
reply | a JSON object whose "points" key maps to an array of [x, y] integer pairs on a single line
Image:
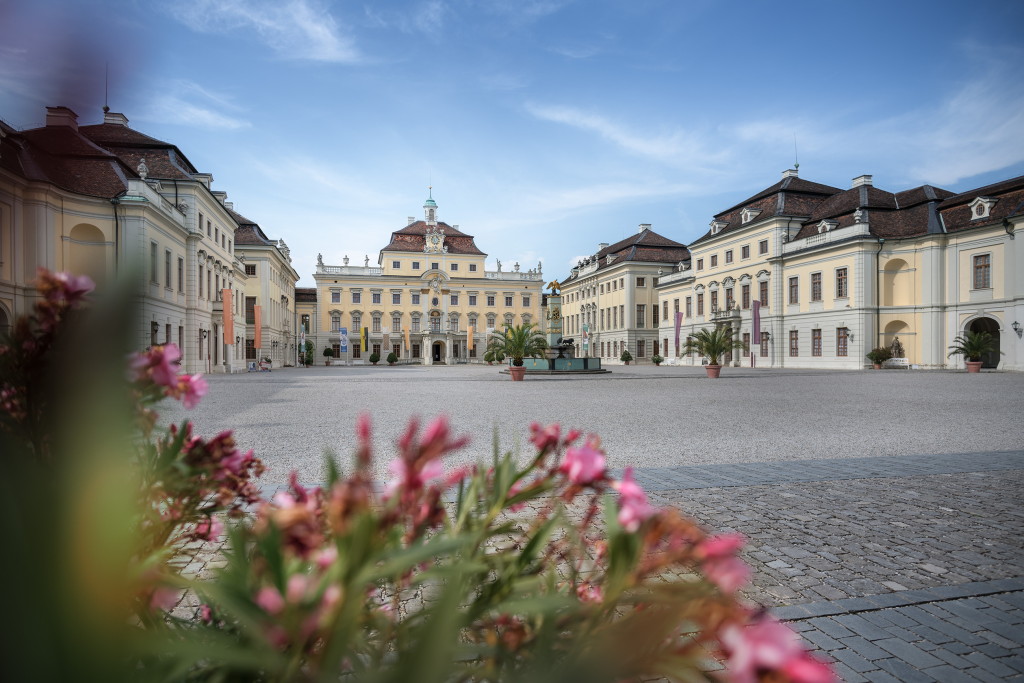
{"points": [[493, 355], [972, 346], [517, 343], [713, 344], [878, 355]]}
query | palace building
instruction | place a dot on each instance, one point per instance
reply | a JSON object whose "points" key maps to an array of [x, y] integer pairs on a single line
{"points": [[809, 275], [428, 299]]}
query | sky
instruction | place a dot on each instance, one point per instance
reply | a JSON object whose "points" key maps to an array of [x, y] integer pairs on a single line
{"points": [[544, 127]]}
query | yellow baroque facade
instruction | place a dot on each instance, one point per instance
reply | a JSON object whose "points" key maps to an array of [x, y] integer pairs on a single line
{"points": [[428, 299], [828, 274]]}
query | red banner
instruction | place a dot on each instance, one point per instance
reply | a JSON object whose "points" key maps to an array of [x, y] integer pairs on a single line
{"points": [[229, 318], [258, 335]]}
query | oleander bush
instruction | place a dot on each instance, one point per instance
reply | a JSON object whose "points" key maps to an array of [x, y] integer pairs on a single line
{"points": [[547, 569]]}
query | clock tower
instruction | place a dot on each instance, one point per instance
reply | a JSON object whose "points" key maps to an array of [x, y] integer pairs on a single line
{"points": [[430, 208]]}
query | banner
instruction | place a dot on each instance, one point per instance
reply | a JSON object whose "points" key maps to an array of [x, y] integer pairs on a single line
{"points": [[227, 302], [407, 344], [679, 321], [258, 323], [386, 344], [756, 318], [469, 338], [344, 340], [364, 339], [586, 336]]}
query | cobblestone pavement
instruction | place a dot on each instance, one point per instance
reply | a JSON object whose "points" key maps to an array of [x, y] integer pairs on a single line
{"points": [[913, 577]]}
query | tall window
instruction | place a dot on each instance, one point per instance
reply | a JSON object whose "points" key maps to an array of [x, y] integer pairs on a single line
{"points": [[453, 324], [415, 326], [357, 324], [729, 300], [700, 264], [714, 300], [675, 306], [641, 348], [396, 323], [250, 310], [714, 260], [762, 247], [700, 303], [641, 314], [794, 290], [745, 251], [764, 345], [689, 307], [982, 271], [376, 323], [815, 286], [794, 343], [664, 308], [762, 293], [842, 283], [181, 274], [154, 275], [167, 270], [335, 322], [815, 342], [745, 296], [842, 341], [746, 343], [728, 256], [396, 298]]}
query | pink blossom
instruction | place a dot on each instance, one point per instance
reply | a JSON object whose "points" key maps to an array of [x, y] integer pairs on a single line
{"points": [[72, 287], [515, 489], [191, 388], [236, 462], [544, 438], [633, 505], [584, 464], [719, 563], [158, 365], [205, 614], [588, 592], [164, 598], [296, 588], [270, 600], [767, 645], [208, 529], [409, 479], [326, 557]]}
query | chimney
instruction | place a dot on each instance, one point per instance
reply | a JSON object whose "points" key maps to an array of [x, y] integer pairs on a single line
{"points": [[115, 118], [790, 173], [643, 227], [61, 116], [861, 181], [601, 246], [412, 219], [221, 196]]}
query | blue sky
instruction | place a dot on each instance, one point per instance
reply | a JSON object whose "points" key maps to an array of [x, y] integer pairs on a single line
{"points": [[544, 126]]}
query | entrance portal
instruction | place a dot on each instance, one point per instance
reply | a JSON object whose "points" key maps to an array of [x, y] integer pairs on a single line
{"points": [[990, 359], [437, 352]]}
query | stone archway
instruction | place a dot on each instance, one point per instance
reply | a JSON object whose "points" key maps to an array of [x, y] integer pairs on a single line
{"points": [[87, 252], [437, 353], [990, 325]]}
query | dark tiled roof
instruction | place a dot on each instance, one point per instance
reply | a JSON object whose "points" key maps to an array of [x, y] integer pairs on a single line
{"points": [[919, 195], [792, 196], [305, 295], [251, 234], [411, 238], [645, 246], [62, 156], [163, 159], [1009, 196]]}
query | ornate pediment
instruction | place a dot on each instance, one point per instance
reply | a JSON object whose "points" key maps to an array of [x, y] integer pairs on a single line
{"points": [[434, 241]]}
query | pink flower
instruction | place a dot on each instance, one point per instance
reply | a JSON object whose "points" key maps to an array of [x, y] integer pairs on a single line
{"points": [[767, 645], [208, 529], [513, 490], [326, 557], [544, 438], [205, 614], [158, 365], [410, 480], [633, 505], [588, 592], [296, 588], [72, 287], [191, 388], [584, 464], [164, 598], [270, 600], [719, 563]]}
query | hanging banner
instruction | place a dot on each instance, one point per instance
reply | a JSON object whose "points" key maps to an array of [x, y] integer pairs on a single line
{"points": [[386, 344], [679, 321], [586, 336], [344, 340], [756, 318], [469, 338], [229, 318], [364, 339], [406, 333], [258, 323]]}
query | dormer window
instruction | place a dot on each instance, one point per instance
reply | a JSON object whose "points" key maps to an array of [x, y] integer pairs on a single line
{"points": [[981, 207], [827, 226], [748, 215], [717, 226]]}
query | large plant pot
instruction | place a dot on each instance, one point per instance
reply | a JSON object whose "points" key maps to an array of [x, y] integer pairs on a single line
{"points": [[713, 371], [973, 365], [517, 372], [876, 366]]}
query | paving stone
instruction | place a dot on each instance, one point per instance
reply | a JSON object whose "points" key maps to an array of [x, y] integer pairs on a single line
{"points": [[990, 665], [908, 652], [865, 649], [903, 671], [948, 674]]}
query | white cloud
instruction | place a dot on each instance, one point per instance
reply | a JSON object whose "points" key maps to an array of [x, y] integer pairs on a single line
{"points": [[183, 102], [295, 29]]}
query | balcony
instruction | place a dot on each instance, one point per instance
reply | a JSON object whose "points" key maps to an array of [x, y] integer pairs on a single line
{"points": [[729, 312]]}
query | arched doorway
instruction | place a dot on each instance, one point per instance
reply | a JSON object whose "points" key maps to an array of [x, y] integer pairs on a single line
{"points": [[87, 252], [437, 353], [990, 359]]}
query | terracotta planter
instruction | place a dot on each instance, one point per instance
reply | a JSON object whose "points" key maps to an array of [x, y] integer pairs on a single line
{"points": [[876, 366], [713, 371], [973, 365], [626, 362], [517, 372]]}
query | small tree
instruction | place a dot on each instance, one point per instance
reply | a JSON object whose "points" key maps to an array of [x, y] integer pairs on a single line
{"points": [[328, 354], [626, 356], [657, 359], [878, 355], [518, 342], [713, 344], [973, 345], [392, 358], [374, 357], [308, 353]]}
